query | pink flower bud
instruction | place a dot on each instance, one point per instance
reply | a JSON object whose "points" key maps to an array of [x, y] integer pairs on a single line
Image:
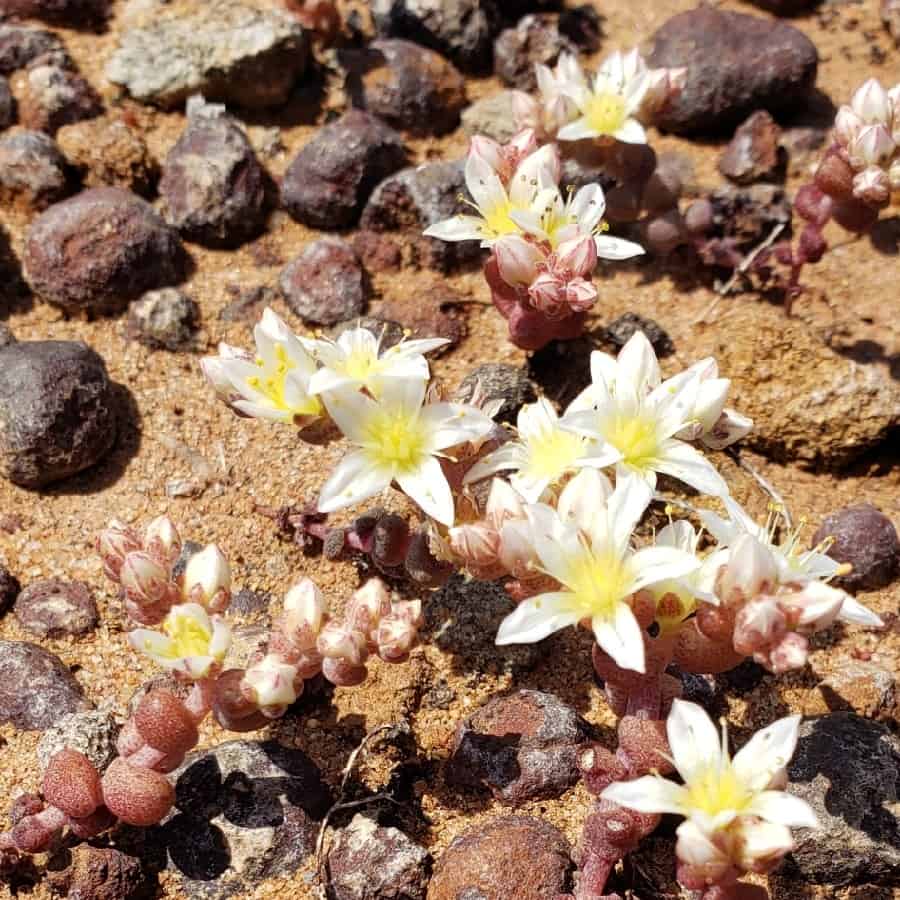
{"points": [[517, 553], [367, 606], [487, 149], [872, 146], [580, 295], [337, 641], [162, 541], [749, 571], [847, 125], [504, 503], [395, 638], [517, 260], [114, 543], [408, 611], [271, 684], [343, 673], [145, 582], [526, 110], [872, 103], [524, 143], [873, 187], [304, 609], [207, 579], [548, 294], [578, 255], [791, 652], [477, 546], [758, 625]]}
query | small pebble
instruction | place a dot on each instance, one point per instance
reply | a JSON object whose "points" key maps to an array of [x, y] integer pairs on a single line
{"points": [[621, 330], [499, 381], [32, 170], [535, 39], [54, 95], [491, 116], [754, 153], [55, 608], [165, 319]]}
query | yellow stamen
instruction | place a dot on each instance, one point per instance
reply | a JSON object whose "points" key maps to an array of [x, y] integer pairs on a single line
{"points": [[605, 113]]}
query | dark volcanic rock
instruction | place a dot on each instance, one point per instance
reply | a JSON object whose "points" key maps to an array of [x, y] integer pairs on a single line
{"points": [[32, 169], [368, 861], [867, 539], [54, 95], [753, 154], [415, 198], [223, 49], [7, 105], [325, 283], [535, 39], [786, 7], [244, 811], [621, 330], [165, 319], [460, 29], [504, 858], [36, 689], [408, 86], [57, 608], [93, 733], [848, 769], [212, 184], [522, 747], [331, 178], [736, 64], [100, 873], [100, 249], [57, 414], [748, 215], [78, 13], [19, 45], [9, 589], [499, 381]]}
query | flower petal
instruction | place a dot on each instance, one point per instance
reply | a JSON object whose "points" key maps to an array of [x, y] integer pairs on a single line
{"points": [[655, 564], [853, 611], [457, 228], [353, 480], [427, 486], [683, 462], [649, 794], [536, 618], [782, 808], [621, 637], [767, 752], [616, 248], [693, 739], [637, 363]]}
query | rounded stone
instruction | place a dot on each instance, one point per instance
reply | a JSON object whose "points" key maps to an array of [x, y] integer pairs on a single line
{"points": [[36, 688], [331, 178], [735, 65], [325, 284], [100, 249], [165, 319], [864, 537], [409, 86], [57, 413], [506, 857], [753, 154], [93, 733], [9, 589], [535, 39], [212, 185], [54, 95], [19, 45], [499, 381], [100, 873], [55, 608], [32, 170], [492, 116]]}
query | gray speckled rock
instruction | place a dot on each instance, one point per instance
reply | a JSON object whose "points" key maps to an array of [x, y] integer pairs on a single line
{"points": [[848, 769], [523, 746], [244, 811], [57, 415], [499, 381], [331, 178], [36, 689], [55, 608], [735, 64], [32, 169], [368, 861], [223, 49], [212, 183], [491, 116], [19, 45], [92, 733], [165, 319], [54, 95], [100, 249]]}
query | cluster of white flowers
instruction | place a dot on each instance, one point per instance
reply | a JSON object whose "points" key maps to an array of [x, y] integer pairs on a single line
{"points": [[868, 134], [622, 93]]}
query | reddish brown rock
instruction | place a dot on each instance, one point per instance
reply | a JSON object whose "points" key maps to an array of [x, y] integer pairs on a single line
{"points": [[408, 86], [325, 283], [77, 13], [377, 252], [9, 589], [53, 95], [438, 313], [331, 178], [754, 153], [100, 249], [522, 747], [505, 858], [55, 608], [99, 873]]}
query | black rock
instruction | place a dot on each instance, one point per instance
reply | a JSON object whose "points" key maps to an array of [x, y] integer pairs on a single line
{"points": [[56, 608], [582, 25], [735, 64], [415, 198], [331, 178], [621, 330], [848, 769], [864, 537], [325, 284], [522, 746], [212, 184], [32, 169], [57, 413], [499, 381], [19, 45], [75, 13], [100, 249], [9, 589], [36, 689], [7, 105]]}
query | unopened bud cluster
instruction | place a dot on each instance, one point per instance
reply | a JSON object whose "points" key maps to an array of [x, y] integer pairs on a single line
{"points": [[307, 640]]}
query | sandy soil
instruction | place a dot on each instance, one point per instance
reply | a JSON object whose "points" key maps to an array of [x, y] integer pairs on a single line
{"points": [[853, 293]]}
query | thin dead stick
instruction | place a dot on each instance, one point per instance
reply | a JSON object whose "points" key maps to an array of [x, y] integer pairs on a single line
{"points": [[724, 289], [767, 487], [400, 727]]}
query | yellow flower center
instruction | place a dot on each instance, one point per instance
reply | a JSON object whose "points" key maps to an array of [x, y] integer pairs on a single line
{"points": [[397, 439], [360, 365], [189, 637], [717, 789], [271, 383], [673, 606], [605, 113], [597, 584], [635, 438], [497, 221], [552, 452]]}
